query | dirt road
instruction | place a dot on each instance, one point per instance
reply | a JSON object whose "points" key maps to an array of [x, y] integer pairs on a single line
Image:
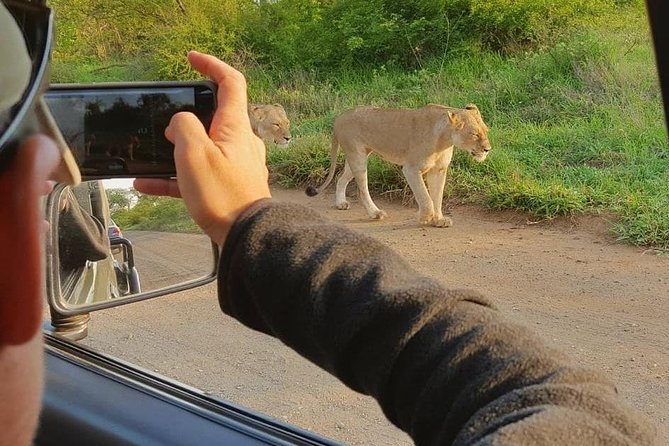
{"points": [[165, 258], [604, 303]]}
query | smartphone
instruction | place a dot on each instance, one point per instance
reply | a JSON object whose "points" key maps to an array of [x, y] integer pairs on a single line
{"points": [[117, 130]]}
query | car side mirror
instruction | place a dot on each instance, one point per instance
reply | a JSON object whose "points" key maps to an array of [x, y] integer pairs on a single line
{"points": [[109, 245]]}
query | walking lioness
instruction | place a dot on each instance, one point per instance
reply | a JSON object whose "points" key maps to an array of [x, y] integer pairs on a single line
{"points": [[420, 140]]}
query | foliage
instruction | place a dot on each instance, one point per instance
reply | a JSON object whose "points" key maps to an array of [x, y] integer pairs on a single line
{"points": [[505, 24], [335, 33], [312, 34], [153, 33], [118, 201], [151, 213], [576, 127], [568, 88], [210, 26]]}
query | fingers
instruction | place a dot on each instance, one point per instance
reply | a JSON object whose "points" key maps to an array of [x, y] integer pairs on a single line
{"points": [[231, 83], [231, 97], [222, 173], [157, 186]]}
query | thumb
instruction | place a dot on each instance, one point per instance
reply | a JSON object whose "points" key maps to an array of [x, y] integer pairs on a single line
{"points": [[190, 140], [184, 126]]}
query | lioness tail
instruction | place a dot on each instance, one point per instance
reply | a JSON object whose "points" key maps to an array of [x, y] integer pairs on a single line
{"points": [[311, 190]]}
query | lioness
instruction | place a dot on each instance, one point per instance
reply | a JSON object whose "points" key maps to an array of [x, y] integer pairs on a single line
{"points": [[420, 140], [270, 123]]}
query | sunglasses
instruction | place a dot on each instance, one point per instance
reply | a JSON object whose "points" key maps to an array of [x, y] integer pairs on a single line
{"points": [[31, 115], [36, 22]]}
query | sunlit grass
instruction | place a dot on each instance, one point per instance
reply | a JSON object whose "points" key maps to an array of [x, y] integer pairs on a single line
{"points": [[576, 127]]}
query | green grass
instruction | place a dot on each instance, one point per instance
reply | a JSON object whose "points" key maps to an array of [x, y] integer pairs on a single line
{"points": [[156, 214], [92, 70], [576, 127]]}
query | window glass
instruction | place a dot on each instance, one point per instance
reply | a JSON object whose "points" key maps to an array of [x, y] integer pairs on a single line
{"points": [[564, 223]]}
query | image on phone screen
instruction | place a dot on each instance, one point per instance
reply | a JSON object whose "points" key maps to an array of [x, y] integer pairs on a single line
{"points": [[119, 132]]}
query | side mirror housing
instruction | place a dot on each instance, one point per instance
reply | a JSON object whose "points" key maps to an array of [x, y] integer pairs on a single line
{"points": [[93, 264]]}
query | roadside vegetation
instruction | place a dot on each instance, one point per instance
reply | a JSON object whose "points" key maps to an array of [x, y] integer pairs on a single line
{"points": [[136, 212], [568, 88]]}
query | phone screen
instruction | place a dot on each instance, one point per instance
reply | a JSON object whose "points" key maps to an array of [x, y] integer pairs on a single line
{"points": [[118, 131]]}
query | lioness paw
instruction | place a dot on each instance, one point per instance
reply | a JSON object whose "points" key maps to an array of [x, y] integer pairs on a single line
{"points": [[427, 219], [344, 205], [379, 215], [443, 222]]}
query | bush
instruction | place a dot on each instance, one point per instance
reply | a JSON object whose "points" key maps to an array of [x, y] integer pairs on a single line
{"points": [[209, 26], [313, 34], [332, 33], [157, 33], [110, 30], [505, 25], [154, 214]]}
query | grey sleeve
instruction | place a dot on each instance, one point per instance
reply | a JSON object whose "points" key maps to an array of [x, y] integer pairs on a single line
{"points": [[443, 364]]}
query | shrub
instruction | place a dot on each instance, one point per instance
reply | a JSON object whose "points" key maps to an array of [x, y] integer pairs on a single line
{"points": [[314, 34], [207, 26], [332, 33], [508, 24], [155, 214]]}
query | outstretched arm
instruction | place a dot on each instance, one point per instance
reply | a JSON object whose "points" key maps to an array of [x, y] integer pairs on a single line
{"points": [[443, 364]]}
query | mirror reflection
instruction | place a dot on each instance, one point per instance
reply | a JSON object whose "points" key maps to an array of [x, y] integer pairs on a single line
{"points": [[115, 243]]}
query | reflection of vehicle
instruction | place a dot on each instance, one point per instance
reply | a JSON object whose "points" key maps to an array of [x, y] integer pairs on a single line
{"points": [[113, 231], [124, 260], [127, 277], [97, 262]]}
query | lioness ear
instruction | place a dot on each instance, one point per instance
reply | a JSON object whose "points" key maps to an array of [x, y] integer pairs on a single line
{"points": [[454, 120], [472, 107], [279, 105], [257, 113]]}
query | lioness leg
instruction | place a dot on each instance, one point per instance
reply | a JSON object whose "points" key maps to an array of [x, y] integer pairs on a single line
{"points": [[436, 180], [420, 193], [358, 166], [342, 183]]}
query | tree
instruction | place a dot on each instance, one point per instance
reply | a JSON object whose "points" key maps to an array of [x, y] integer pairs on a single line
{"points": [[119, 199]]}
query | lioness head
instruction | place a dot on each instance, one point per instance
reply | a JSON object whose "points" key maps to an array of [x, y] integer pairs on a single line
{"points": [[270, 123], [471, 133]]}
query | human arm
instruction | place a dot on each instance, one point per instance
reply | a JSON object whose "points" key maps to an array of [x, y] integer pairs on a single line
{"points": [[443, 364]]}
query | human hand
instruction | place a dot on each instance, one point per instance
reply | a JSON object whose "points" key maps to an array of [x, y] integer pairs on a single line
{"points": [[220, 174]]}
